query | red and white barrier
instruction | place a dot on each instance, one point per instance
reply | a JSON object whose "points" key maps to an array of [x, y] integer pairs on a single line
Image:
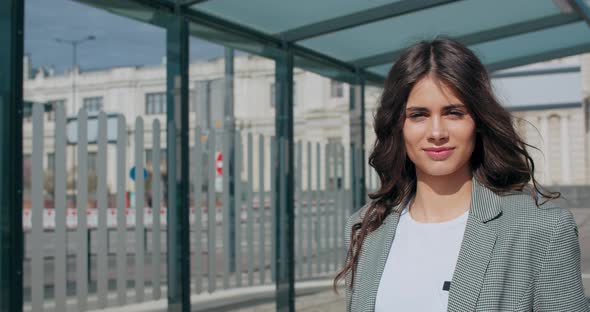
{"points": [[92, 218]]}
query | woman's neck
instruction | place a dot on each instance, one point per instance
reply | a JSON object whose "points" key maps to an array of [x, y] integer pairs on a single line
{"points": [[441, 198]]}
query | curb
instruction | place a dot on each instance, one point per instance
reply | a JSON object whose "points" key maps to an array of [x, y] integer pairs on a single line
{"points": [[225, 298]]}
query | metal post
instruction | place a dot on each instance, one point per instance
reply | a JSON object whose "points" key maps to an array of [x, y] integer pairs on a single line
{"points": [[74, 44], [283, 168], [177, 53], [11, 102], [229, 124], [357, 142]]}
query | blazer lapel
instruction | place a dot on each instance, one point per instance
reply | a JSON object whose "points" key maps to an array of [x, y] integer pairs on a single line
{"points": [[476, 249]]}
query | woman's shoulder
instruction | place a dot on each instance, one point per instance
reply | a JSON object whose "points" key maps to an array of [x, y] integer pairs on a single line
{"points": [[353, 219], [358, 215], [520, 211]]}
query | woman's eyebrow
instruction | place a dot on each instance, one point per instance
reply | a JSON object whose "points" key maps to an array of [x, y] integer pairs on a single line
{"points": [[453, 106], [416, 108], [446, 107]]}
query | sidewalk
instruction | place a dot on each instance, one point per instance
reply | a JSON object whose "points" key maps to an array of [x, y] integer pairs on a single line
{"points": [[311, 296], [325, 301]]}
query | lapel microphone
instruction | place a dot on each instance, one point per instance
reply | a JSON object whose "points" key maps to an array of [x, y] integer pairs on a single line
{"points": [[446, 285]]}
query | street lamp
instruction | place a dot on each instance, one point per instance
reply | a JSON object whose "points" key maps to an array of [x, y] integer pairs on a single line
{"points": [[74, 44]]}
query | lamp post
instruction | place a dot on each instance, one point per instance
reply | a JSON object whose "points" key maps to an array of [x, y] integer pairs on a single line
{"points": [[74, 44]]}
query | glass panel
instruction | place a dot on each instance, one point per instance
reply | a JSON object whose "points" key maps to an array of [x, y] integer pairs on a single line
{"points": [[549, 89], [381, 69], [80, 57], [533, 43], [393, 34], [273, 16]]}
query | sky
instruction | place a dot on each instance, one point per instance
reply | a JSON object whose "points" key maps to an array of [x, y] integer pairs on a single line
{"points": [[119, 41]]}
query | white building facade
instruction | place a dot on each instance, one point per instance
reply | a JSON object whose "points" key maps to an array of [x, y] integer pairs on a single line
{"points": [[546, 97]]}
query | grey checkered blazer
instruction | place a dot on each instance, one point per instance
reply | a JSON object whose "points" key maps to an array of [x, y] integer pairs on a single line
{"points": [[514, 257]]}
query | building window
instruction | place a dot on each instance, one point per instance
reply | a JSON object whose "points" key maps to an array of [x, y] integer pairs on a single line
{"points": [[92, 105], [51, 162], [92, 162], [27, 111], [155, 103], [335, 182], [336, 89], [27, 171], [273, 93], [149, 157], [51, 107]]}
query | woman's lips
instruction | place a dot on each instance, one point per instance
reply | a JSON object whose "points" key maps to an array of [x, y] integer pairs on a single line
{"points": [[438, 153]]}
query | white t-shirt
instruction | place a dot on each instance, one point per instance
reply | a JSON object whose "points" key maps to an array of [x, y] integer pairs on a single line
{"points": [[422, 257]]}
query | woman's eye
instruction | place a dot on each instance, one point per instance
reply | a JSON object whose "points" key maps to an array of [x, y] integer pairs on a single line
{"points": [[456, 113], [416, 115]]}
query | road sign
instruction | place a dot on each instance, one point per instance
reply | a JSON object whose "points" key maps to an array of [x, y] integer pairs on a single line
{"points": [[219, 164], [132, 173]]}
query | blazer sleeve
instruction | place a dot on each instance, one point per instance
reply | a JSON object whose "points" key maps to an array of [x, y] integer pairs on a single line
{"points": [[352, 220], [347, 231], [558, 286]]}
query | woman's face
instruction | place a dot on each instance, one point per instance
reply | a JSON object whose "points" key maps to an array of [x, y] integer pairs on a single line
{"points": [[439, 132]]}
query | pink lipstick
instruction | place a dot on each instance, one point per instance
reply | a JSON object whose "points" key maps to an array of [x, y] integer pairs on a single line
{"points": [[439, 153]]}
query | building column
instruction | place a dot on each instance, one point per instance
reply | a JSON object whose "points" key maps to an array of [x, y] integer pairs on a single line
{"points": [[566, 177], [177, 54], [11, 161], [544, 123]]}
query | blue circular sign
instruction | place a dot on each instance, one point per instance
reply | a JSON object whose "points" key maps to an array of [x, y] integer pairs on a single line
{"points": [[132, 173]]}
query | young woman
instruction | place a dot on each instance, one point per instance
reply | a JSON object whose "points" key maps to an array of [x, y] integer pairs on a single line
{"points": [[460, 222]]}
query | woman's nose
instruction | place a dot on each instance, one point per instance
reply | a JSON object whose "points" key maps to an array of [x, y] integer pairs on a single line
{"points": [[438, 130]]}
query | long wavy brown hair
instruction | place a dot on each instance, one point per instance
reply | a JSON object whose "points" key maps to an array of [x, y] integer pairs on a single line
{"points": [[500, 160]]}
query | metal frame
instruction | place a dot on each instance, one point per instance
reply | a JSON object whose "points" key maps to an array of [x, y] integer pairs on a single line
{"points": [[229, 124], [483, 36], [537, 72], [540, 57], [543, 106], [273, 46], [285, 184], [357, 142], [581, 8], [177, 54], [11, 164], [192, 2], [265, 45], [175, 17], [220, 31], [360, 18]]}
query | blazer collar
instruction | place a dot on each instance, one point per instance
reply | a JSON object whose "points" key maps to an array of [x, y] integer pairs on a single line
{"points": [[474, 255], [485, 204]]}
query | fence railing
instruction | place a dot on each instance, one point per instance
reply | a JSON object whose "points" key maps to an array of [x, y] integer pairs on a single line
{"points": [[87, 258]]}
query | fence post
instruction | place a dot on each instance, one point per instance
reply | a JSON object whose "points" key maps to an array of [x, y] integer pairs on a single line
{"points": [[89, 244]]}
